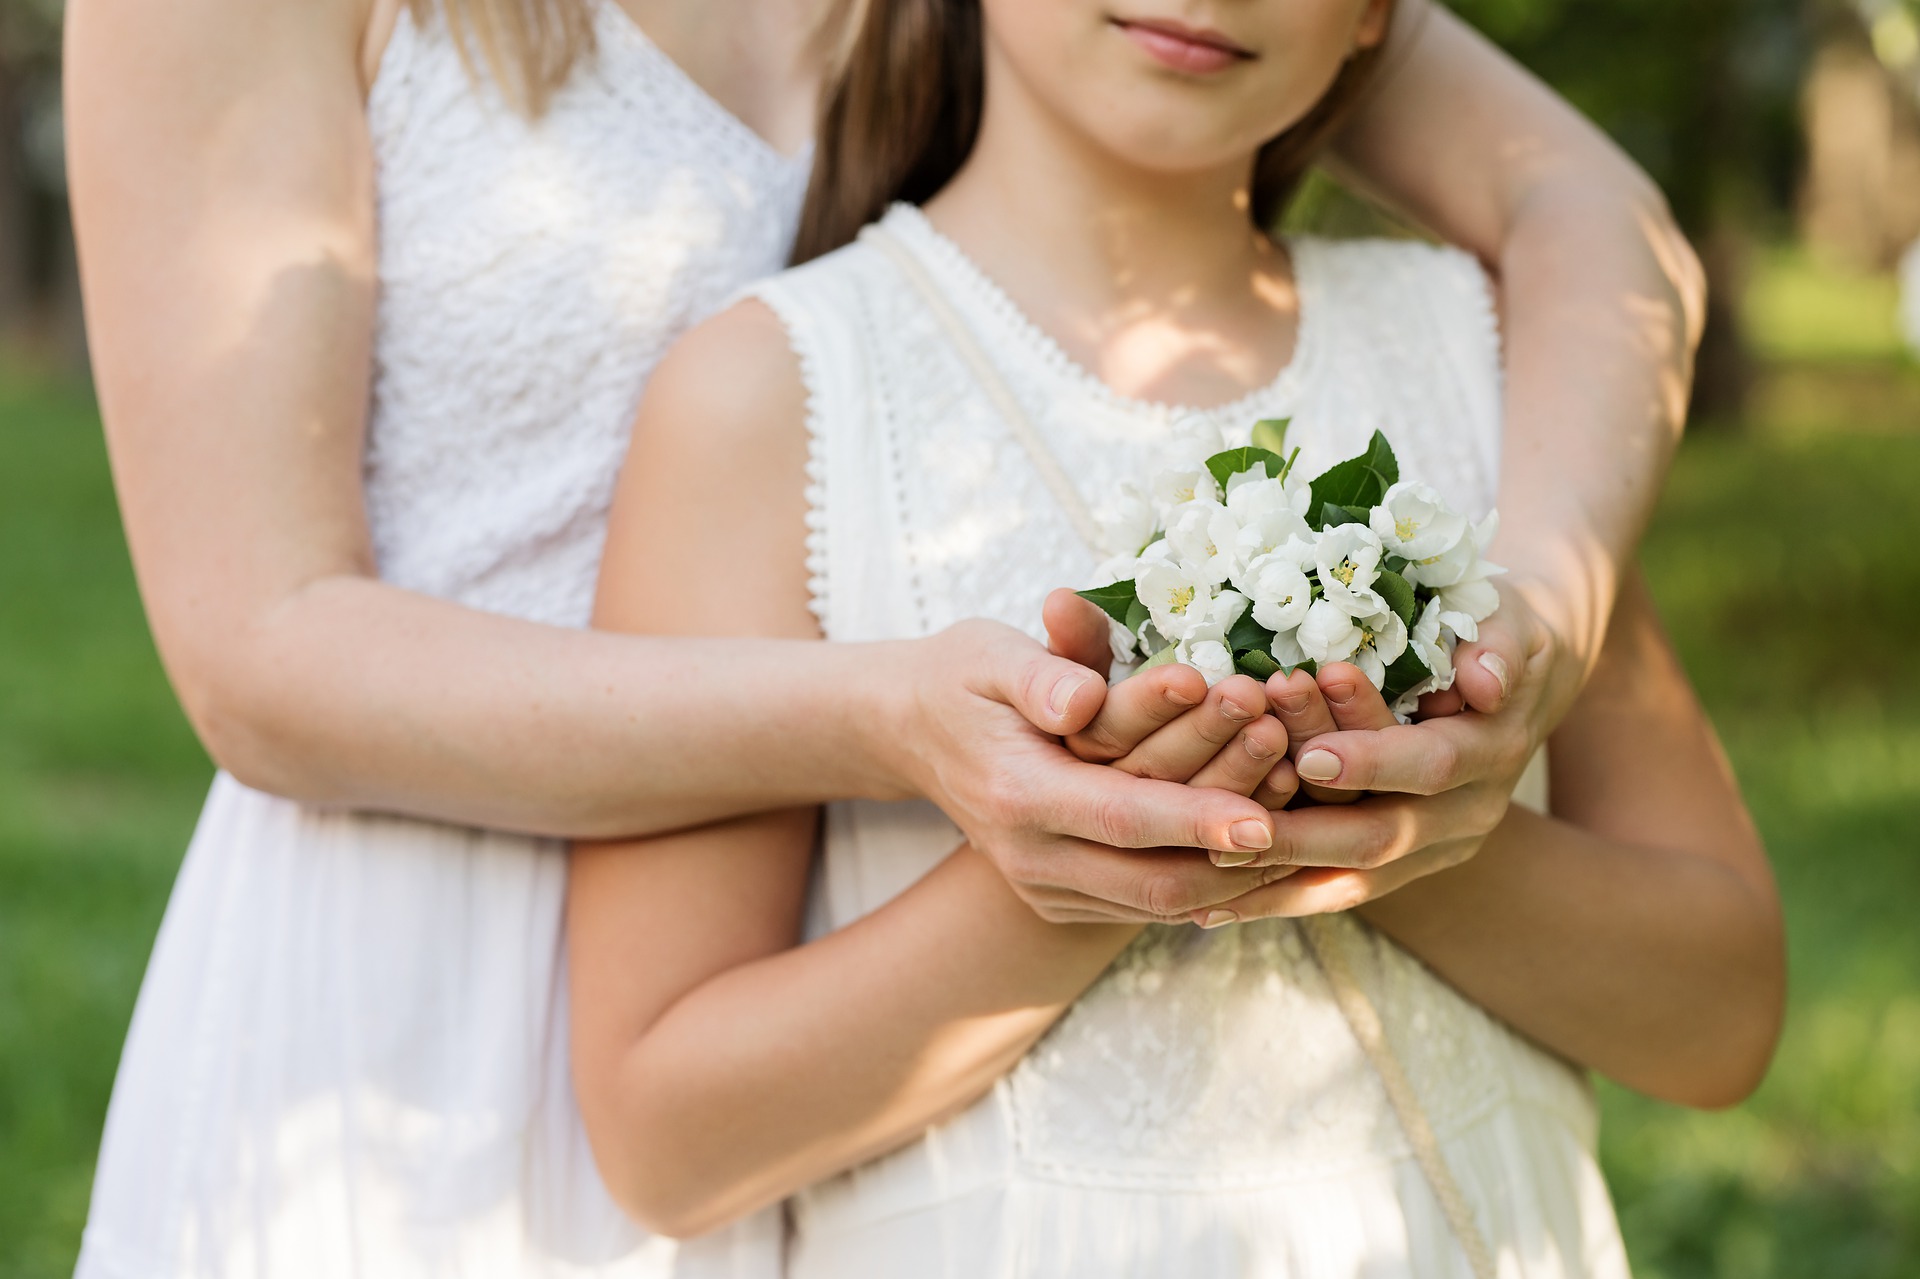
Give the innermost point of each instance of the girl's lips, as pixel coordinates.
(1183, 48)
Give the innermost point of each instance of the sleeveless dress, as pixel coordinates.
(349, 1052)
(1204, 1110)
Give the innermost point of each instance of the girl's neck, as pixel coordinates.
(1159, 285)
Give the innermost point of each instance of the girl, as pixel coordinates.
(1274, 1098)
(372, 288)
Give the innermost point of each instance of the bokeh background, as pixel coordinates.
(1786, 557)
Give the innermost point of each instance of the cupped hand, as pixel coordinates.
(1361, 847)
(978, 732)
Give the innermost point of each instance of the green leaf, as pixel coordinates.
(1138, 615)
(1398, 593)
(1229, 464)
(1357, 483)
(1165, 657)
(1332, 515)
(1247, 633)
(1396, 564)
(1270, 433)
(1257, 663)
(1404, 674)
(1117, 600)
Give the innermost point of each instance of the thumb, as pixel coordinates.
(1077, 629)
(1487, 670)
(1057, 695)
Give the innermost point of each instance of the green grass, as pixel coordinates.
(1783, 558)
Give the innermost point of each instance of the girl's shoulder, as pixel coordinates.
(1421, 301)
(1376, 275)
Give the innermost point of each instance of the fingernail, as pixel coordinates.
(1233, 710)
(1496, 667)
(1233, 858)
(1339, 694)
(1247, 833)
(1064, 689)
(1219, 919)
(1318, 766)
(1179, 697)
(1258, 749)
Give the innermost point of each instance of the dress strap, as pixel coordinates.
(1363, 1019)
(1055, 476)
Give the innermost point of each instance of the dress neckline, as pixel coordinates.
(622, 31)
(958, 268)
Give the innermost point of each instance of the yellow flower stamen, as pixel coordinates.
(1344, 572)
(1181, 598)
(1404, 529)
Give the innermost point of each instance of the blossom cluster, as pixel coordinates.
(1244, 566)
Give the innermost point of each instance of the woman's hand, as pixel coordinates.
(979, 734)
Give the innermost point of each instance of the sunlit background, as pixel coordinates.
(1786, 557)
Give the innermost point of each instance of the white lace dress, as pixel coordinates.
(349, 1054)
(1204, 1110)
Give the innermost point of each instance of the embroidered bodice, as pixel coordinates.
(531, 274)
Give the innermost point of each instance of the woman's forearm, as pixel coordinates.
(355, 693)
(781, 1071)
(1601, 298)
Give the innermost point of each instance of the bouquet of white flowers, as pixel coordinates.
(1244, 567)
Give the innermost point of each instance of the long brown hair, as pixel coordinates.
(903, 108)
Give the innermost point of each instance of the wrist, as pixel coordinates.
(883, 720)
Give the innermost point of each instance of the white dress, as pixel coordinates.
(349, 1053)
(1204, 1110)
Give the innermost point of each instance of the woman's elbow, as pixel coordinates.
(657, 1184)
(243, 725)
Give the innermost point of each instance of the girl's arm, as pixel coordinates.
(1638, 930)
(719, 1070)
(223, 194)
(1601, 303)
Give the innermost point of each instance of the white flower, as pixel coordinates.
(1347, 560)
(1270, 515)
(1204, 536)
(1328, 633)
(1286, 649)
(1434, 647)
(1383, 638)
(1464, 605)
(1128, 521)
(1178, 597)
(1457, 562)
(1280, 592)
(1180, 484)
(1414, 522)
(1458, 578)
(1209, 657)
(1122, 643)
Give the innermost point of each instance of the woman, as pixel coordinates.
(942, 405)
(368, 338)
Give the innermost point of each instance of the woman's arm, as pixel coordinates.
(719, 1070)
(223, 195)
(1638, 930)
(1601, 303)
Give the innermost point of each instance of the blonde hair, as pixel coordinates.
(527, 47)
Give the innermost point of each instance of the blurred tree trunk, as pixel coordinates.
(1860, 199)
(17, 309)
